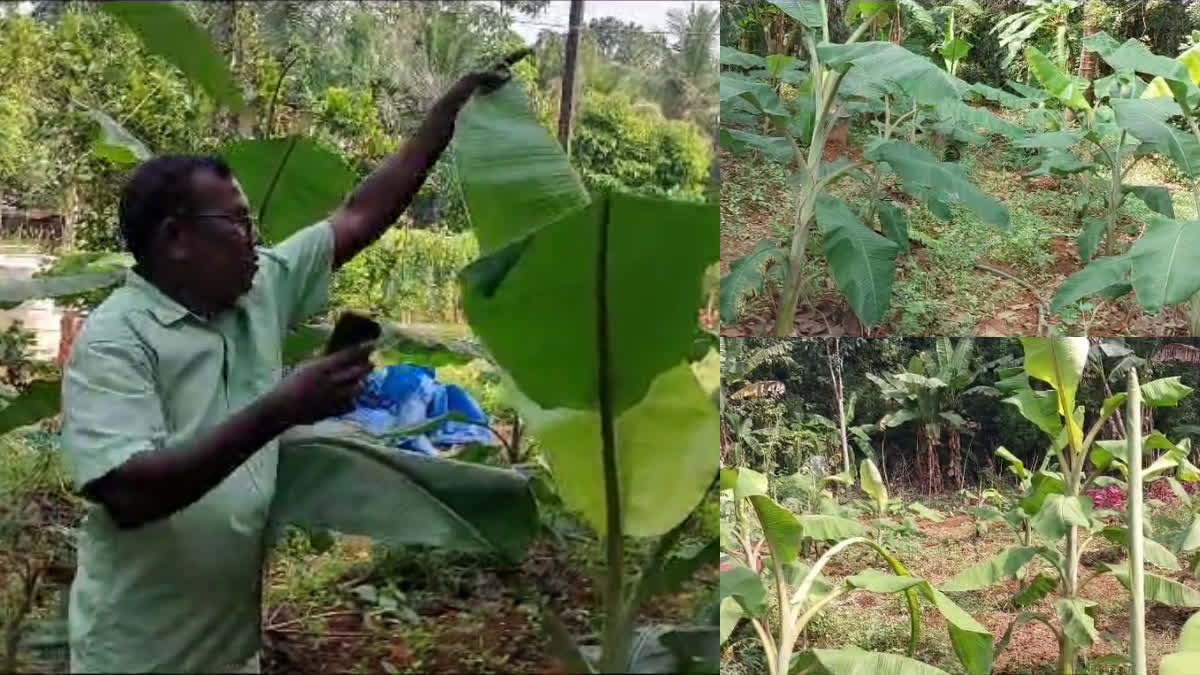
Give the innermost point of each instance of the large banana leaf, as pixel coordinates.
(1165, 392)
(555, 273)
(1147, 119)
(1058, 362)
(514, 175)
(861, 261)
(330, 478)
(781, 527)
(731, 56)
(743, 482)
(1156, 197)
(746, 588)
(166, 29)
(775, 148)
(672, 432)
(1160, 589)
(746, 276)
(937, 183)
(886, 65)
(565, 309)
(1162, 270)
(1133, 55)
(16, 291)
(806, 12)
(1077, 625)
(1065, 88)
(1108, 275)
(972, 641)
(760, 94)
(854, 661)
(291, 182)
(1003, 564)
(1058, 513)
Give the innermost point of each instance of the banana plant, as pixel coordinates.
(1018, 28)
(622, 402)
(1113, 151)
(1010, 512)
(799, 593)
(1059, 511)
(1156, 268)
(941, 20)
(839, 77)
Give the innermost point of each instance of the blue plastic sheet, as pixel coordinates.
(405, 395)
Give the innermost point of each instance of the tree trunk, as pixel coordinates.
(954, 470)
(834, 358)
(1089, 61)
(928, 467)
(568, 83)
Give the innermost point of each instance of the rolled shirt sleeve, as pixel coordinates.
(112, 410)
(301, 282)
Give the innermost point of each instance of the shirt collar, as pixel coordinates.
(162, 306)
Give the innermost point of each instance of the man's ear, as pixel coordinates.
(171, 241)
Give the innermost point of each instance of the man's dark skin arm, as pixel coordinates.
(378, 202)
(153, 485)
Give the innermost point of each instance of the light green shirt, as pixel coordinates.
(182, 593)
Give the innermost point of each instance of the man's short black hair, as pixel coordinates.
(159, 188)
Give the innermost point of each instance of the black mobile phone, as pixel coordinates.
(352, 329)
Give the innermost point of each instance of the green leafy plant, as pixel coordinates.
(1144, 113)
(942, 19)
(800, 593)
(841, 78)
(1016, 29)
(1057, 508)
(928, 394)
(619, 403)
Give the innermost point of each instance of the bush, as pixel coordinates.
(619, 144)
(408, 275)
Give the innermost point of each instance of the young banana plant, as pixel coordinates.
(1059, 511)
(799, 593)
(1149, 115)
(835, 80)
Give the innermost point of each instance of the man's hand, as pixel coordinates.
(380, 199)
(323, 388)
(488, 81)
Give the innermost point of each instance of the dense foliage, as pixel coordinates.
(803, 422)
(356, 77)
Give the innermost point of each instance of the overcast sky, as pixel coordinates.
(651, 15)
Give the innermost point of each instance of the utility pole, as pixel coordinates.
(568, 81)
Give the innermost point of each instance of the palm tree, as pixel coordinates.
(688, 91)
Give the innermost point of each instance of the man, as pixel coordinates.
(173, 401)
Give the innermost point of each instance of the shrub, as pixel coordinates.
(621, 144)
(408, 275)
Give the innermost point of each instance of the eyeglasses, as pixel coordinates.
(246, 222)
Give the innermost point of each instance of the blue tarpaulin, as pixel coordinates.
(401, 396)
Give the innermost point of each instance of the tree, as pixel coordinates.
(628, 43)
(1017, 29)
(689, 89)
(928, 393)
